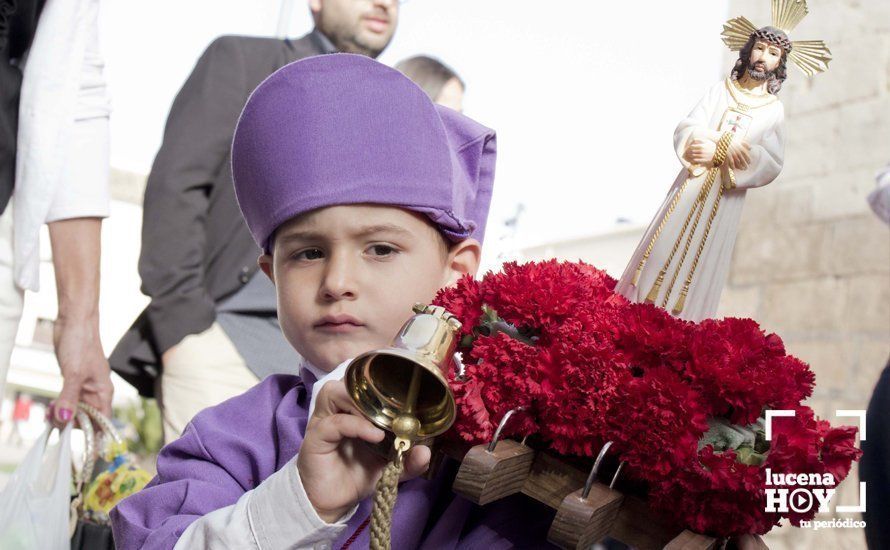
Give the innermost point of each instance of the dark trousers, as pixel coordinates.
(874, 468)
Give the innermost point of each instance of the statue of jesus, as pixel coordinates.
(732, 141)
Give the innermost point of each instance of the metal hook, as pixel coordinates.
(615, 477)
(497, 432)
(595, 469)
(461, 369)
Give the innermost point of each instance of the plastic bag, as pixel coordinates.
(34, 505)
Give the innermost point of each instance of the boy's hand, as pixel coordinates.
(337, 470)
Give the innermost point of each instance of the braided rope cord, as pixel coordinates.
(384, 501)
(681, 301)
(653, 293)
(678, 307)
(697, 209)
(719, 158)
(658, 230)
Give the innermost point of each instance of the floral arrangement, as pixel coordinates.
(681, 402)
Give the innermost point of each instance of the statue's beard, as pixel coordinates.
(758, 72)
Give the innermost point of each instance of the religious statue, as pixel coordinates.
(732, 141)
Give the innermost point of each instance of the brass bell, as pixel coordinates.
(403, 389)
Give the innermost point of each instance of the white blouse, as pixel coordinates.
(62, 161)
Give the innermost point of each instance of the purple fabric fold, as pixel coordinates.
(230, 449)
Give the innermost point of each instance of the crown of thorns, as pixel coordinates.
(810, 56)
(770, 35)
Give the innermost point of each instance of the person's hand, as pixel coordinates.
(86, 374)
(700, 152)
(337, 466)
(739, 155)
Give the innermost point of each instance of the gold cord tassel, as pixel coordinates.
(657, 233)
(678, 307)
(384, 501)
(653, 292)
(639, 270)
(697, 209)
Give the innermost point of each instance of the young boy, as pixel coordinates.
(365, 198)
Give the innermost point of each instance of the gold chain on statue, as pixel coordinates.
(694, 216)
(385, 500)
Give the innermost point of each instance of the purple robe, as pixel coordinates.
(230, 449)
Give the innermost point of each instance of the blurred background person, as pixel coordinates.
(211, 331)
(54, 148)
(21, 413)
(874, 467)
(440, 82)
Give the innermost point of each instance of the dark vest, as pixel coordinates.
(18, 24)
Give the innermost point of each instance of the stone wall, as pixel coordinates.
(812, 262)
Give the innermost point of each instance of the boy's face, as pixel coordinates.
(348, 276)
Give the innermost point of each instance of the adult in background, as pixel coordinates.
(437, 79)
(54, 113)
(210, 331)
(21, 413)
(874, 467)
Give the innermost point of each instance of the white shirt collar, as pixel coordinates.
(323, 378)
(317, 373)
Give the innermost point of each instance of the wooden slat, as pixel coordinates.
(580, 522)
(687, 540)
(637, 525)
(489, 476)
(550, 480)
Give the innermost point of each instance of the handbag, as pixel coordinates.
(90, 525)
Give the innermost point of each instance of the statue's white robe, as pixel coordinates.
(766, 137)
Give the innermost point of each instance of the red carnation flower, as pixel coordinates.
(743, 371)
(588, 367)
(656, 423)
